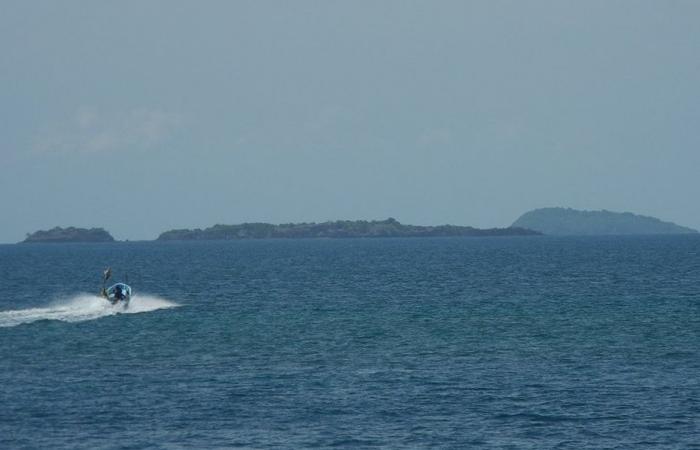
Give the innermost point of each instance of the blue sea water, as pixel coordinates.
(528, 342)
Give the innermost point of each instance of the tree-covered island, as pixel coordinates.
(337, 229)
(70, 234)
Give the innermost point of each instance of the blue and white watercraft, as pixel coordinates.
(119, 293)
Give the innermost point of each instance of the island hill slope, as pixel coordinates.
(572, 222)
(70, 234)
(337, 229)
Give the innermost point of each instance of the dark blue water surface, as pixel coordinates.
(530, 342)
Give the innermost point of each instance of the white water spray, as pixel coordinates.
(83, 307)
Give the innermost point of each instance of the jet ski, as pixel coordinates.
(119, 293)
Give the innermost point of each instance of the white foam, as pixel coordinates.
(83, 307)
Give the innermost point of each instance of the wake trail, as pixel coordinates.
(83, 307)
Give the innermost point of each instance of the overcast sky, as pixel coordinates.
(148, 115)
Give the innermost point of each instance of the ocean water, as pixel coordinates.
(529, 342)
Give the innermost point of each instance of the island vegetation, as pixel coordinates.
(567, 221)
(337, 229)
(70, 234)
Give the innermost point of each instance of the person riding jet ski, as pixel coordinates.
(117, 293)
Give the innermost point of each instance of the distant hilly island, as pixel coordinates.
(572, 222)
(548, 221)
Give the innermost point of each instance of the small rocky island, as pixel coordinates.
(337, 229)
(571, 222)
(70, 234)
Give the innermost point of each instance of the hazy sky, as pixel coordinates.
(148, 115)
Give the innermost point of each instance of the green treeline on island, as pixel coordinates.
(337, 229)
(70, 234)
(549, 221)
